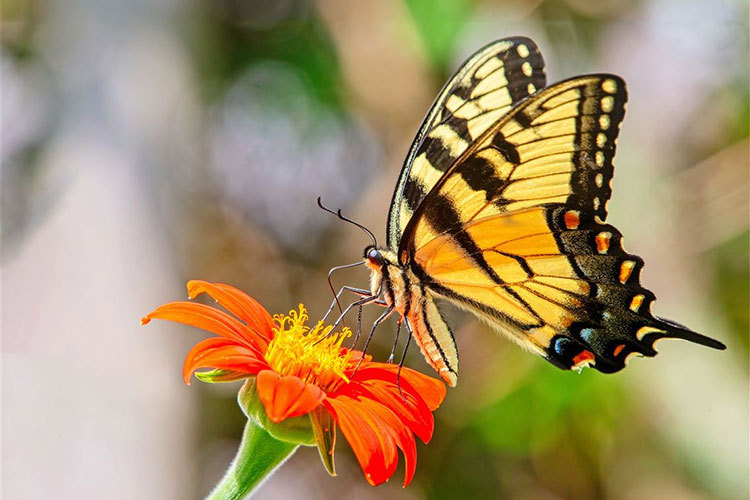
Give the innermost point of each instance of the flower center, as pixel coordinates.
(312, 355)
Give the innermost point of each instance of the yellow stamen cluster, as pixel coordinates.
(312, 355)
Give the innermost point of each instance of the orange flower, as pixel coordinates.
(306, 371)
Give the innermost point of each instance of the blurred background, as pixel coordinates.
(149, 142)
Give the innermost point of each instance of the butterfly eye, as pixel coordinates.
(374, 256)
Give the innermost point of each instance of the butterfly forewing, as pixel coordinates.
(514, 232)
(492, 81)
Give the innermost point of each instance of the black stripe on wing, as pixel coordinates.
(596, 143)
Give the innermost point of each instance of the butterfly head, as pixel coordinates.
(374, 258)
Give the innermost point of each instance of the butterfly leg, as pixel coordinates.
(359, 304)
(395, 342)
(403, 358)
(359, 326)
(365, 300)
(358, 291)
(375, 325)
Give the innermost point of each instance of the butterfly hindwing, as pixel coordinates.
(615, 319)
(566, 291)
(514, 232)
(486, 86)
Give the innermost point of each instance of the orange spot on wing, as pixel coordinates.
(635, 304)
(571, 219)
(626, 270)
(602, 242)
(618, 350)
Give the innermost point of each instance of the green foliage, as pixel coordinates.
(466, 471)
(223, 47)
(732, 285)
(438, 23)
(552, 418)
(536, 413)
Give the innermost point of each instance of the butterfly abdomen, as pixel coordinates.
(432, 333)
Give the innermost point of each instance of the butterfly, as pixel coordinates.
(500, 209)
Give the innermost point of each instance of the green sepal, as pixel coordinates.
(296, 430)
(218, 375)
(324, 428)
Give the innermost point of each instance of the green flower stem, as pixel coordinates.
(258, 457)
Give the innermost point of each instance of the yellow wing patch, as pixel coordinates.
(520, 249)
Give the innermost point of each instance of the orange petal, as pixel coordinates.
(238, 303)
(372, 444)
(217, 352)
(207, 318)
(408, 407)
(373, 432)
(402, 436)
(431, 390)
(287, 397)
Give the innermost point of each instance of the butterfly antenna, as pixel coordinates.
(338, 214)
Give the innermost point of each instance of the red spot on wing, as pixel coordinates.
(582, 357)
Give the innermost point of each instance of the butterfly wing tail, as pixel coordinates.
(679, 331)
